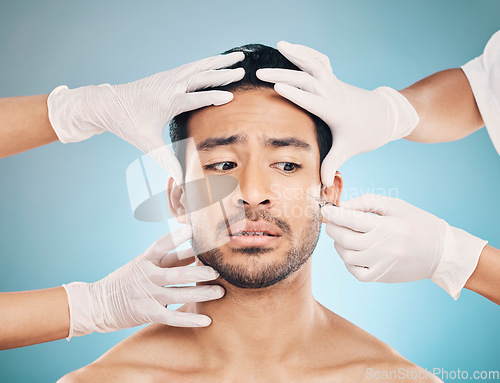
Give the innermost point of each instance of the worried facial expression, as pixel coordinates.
(268, 228)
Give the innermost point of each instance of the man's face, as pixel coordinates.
(270, 229)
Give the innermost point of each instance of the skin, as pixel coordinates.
(24, 124)
(446, 106)
(447, 110)
(31, 317)
(278, 333)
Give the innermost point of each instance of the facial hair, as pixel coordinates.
(264, 275)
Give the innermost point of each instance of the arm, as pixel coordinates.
(446, 106)
(383, 239)
(24, 124)
(32, 317)
(485, 280)
(136, 112)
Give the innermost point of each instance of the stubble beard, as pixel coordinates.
(256, 274)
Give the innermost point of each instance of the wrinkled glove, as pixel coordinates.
(401, 243)
(138, 111)
(360, 120)
(139, 292)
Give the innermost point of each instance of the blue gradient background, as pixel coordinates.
(65, 209)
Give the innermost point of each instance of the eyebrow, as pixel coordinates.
(287, 141)
(214, 142)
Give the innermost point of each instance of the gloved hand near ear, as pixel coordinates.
(360, 120)
(139, 292)
(138, 111)
(400, 243)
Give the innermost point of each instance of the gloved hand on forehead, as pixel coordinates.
(139, 292)
(382, 239)
(360, 120)
(138, 111)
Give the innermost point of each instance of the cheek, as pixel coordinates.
(294, 202)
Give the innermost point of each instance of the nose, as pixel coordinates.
(255, 189)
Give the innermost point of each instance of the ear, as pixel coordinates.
(333, 193)
(176, 200)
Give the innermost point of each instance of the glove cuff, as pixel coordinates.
(70, 113)
(404, 114)
(459, 260)
(84, 313)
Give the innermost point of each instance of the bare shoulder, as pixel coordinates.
(139, 358)
(107, 372)
(359, 356)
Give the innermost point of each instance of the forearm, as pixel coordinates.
(485, 280)
(32, 317)
(24, 124)
(446, 106)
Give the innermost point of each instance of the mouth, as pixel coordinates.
(254, 233)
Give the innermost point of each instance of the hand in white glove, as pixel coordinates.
(360, 120)
(138, 111)
(135, 293)
(401, 243)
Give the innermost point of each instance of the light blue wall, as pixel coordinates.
(65, 211)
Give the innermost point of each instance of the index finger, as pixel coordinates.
(352, 219)
(217, 62)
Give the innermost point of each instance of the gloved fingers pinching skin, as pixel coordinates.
(355, 220)
(350, 239)
(384, 239)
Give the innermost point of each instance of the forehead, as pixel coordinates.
(255, 113)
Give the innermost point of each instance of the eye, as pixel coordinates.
(289, 167)
(221, 167)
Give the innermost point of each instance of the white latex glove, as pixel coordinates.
(138, 111)
(401, 243)
(135, 293)
(360, 120)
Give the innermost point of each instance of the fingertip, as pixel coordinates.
(280, 87)
(329, 211)
(236, 56)
(283, 44)
(204, 321)
(222, 98)
(259, 73)
(218, 291)
(240, 73)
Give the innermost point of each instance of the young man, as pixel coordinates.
(268, 327)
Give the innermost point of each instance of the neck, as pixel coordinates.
(262, 324)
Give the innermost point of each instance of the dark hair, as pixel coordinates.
(257, 56)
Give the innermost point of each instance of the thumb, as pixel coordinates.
(160, 152)
(331, 163)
